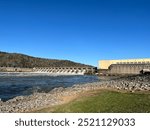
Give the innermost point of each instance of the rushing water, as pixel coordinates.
(17, 84)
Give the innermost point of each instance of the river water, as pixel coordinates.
(17, 84)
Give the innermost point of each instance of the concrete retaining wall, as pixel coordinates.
(124, 69)
(15, 69)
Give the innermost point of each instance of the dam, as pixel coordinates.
(52, 70)
(65, 70)
(127, 66)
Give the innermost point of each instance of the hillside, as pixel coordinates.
(25, 61)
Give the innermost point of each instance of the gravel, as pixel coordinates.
(41, 100)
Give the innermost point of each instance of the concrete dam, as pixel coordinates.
(52, 70)
(130, 66)
(65, 70)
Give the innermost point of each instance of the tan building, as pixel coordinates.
(104, 64)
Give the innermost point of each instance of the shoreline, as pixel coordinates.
(36, 101)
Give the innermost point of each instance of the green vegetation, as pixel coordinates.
(105, 101)
(24, 61)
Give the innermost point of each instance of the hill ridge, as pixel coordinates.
(26, 61)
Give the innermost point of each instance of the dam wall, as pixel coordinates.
(52, 70)
(65, 70)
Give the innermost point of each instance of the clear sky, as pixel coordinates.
(80, 30)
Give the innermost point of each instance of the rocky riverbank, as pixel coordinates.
(56, 96)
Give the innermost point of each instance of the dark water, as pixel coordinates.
(12, 85)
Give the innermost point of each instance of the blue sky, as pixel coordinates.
(80, 30)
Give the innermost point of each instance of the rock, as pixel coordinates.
(56, 90)
(41, 100)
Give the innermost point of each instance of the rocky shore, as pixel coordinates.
(55, 97)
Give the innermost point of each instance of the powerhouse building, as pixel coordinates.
(127, 66)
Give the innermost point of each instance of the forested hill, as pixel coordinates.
(25, 61)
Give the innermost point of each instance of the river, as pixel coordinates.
(18, 84)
